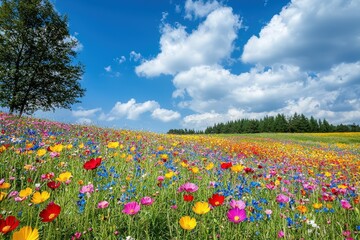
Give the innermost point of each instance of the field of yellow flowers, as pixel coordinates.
(62, 181)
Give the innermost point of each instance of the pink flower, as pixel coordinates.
(160, 178)
(237, 204)
(87, 189)
(103, 204)
(146, 201)
(281, 198)
(236, 215)
(268, 212)
(281, 234)
(131, 208)
(188, 187)
(345, 204)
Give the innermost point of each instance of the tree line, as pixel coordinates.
(297, 123)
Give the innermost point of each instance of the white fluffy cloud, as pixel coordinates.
(107, 69)
(85, 113)
(199, 8)
(165, 115)
(131, 110)
(314, 35)
(179, 50)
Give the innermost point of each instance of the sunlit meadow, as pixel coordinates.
(60, 181)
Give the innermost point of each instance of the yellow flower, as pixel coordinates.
(41, 152)
(160, 148)
(5, 185)
(184, 164)
(164, 157)
(328, 174)
(63, 177)
(81, 145)
(2, 196)
(28, 166)
(26, 233)
(201, 207)
(25, 192)
(342, 186)
(69, 146)
(40, 197)
(169, 175)
(57, 148)
(113, 144)
(195, 169)
(237, 168)
(187, 223)
(209, 166)
(317, 205)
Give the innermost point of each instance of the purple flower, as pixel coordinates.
(131, 208)
(237, 204)
(281, 198)
(236, 215)
(188, 187)
(146, 201)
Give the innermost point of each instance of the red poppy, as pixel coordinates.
(8, 224)
(226, 165)
(51, 211)
(92, 163)
(53, 185)
(188, 197)
(248, 170)
(216, 200)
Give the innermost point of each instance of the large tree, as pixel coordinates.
(37, 58)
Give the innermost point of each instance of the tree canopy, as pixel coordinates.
(37, 58)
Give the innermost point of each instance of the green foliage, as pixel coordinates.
(37, 69)
(298, 123)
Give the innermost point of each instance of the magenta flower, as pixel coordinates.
(103, 204)
(146, 201)
(237, 204)
(131, 208)
(188, 187)
(281, 234)
(236, 215)
(345, 204)
(160, 178)
(281, 198)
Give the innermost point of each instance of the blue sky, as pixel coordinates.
(156, 65)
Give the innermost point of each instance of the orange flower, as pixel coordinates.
(302, 209)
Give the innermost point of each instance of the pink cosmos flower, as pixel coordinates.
(87, 189)
(188, 187)
(236, 215)
(237, 204)
(146, 201)
(281, 234)
(281, 198)
(103, 204)
(345, 204)
(131, 208)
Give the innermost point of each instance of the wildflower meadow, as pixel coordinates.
(63, 181)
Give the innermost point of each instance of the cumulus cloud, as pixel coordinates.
(120, 60)
(165, 115)
(131, 110)
(86, 121)
(314, 35)
(196, 9)
(180, 50)
(85, 113)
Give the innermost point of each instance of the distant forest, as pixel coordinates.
(298, 123)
